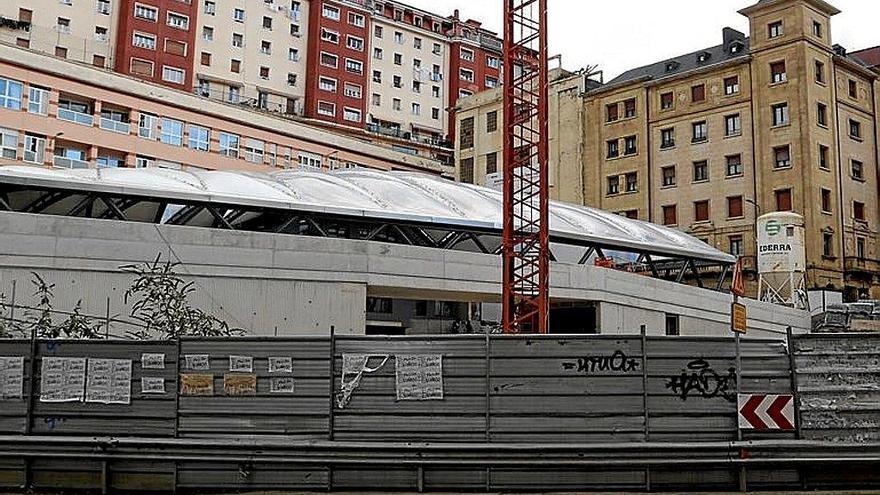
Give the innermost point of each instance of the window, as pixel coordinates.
(177, 21)
(467, 55)
(266, 47)
(493, 62)
(731, 85)
(613, 185)
(8, 143)
(267, 23)
(293, 55)
(466, 75)
(783, 200)
(416, 109)
(398, 37)
(466, 173)
(10, 94)
(700, 132)
(780, 114)
(735, 207)
(103, 7)
(237, 40)
(356, 19)
(667, 138)
(254, 150)
(327, 84)
(668, 174)
(147, 125)
(629, 108)
(417, 43)
(777, 72)
(238, 15)
(206, 59)
(467, 133)
(823, 157)
(142, 40)
(329, 60)
(822, 114)
(326, 109)
(377, 76)
(611, 112)
(491, 82)
(210, 7)
(291, 81)
(613, 148)
(826, 200)
(732, 125)
(828, 245)
(396, 104)
(62, 25)
(38, 100)
(491, 121)
(859, 211)
(701, 211)
(208, 33)
(701, 171)
(735, 245)
(172, 132)
(235, 66)
(354, 43)
(354, 66)
(632, 182)
(667, 100)
(397, 81)
(855, 129)
(175, 47)
(199, 138)
(173, 75)
(853, 89)
(330, 12)
(330, 36)
(377, 31)
(492, 163)
(782, 157)
(861, 252)
(670, 215)
(146, 13)
(774, 30)
(34, 148)
(820, 72)
(398, 59)
(629, 145)
(857, 170)
(734, 165)
(61, 52)
(353, 91)
(817, 29)
(698, 93)
(229, 144)
(376, 100)
(436, 50)
(435, 113)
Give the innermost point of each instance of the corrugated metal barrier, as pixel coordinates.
(472, 413)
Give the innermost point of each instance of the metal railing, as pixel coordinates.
(66, 162)
(115, 126)
(76, 117)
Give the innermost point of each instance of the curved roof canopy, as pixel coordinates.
(392, 196)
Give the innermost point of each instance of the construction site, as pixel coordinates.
(370, 321)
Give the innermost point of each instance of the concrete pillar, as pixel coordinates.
(97, 113)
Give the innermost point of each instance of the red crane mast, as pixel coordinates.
(526, 244)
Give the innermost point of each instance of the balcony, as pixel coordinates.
(65, 162)
(8, 23)
(76, 117)
(115, 126)
(394, 132)
(861, 266)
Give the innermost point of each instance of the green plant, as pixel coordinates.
(79, 326)
(41, 324)
(161, 302)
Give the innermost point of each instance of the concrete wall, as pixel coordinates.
(252, 272)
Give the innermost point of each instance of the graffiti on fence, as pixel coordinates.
(617, 362)
(699, 379)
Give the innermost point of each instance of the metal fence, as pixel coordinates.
(516, 413)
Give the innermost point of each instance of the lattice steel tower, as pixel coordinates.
(526, 196)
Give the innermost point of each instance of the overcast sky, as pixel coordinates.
(618, 35)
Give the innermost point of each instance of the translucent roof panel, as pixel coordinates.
(407, 196)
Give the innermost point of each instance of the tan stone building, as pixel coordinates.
(778, 120)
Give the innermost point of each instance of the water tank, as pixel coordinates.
(782, 260)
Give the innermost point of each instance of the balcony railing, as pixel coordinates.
(65, 162)
(865, 266)
(408, 136)
(115, 126)
(77, 117)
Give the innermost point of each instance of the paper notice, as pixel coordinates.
(11, 377)
(62, 379)
(153, 361)
(280, 365)
(237, 384)
(419, 377)
(109, 381)
(152, 385)
(197, 362)
(241, 364)
(196, 384)
(281, 385)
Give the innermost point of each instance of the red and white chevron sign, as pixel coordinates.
(766, 412)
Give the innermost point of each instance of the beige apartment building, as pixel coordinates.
(779, 120)
(65, 114)
(81, 30)
(407, 94)
(253, 52)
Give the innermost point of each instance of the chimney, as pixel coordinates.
(455, 15)
(839, 50)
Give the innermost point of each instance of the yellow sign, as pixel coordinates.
(738, 318)
(239, 384)
(196, 384)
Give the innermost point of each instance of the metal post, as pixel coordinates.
(176, 408)
(107, 320)
(488, 406)
(743, 482)
(644, 332)
(12, 308)
(330, 419)
(29, 414)
(792, 371)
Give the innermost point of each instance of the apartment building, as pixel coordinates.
(780, 120)
(64, 114)
(80, 30)
(253, 53)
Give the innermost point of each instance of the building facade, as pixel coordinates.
(57, 113)
(780, 120)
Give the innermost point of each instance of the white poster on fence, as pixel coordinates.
(62, 379)
(109, 381)
(419, 377)
(11, 377)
